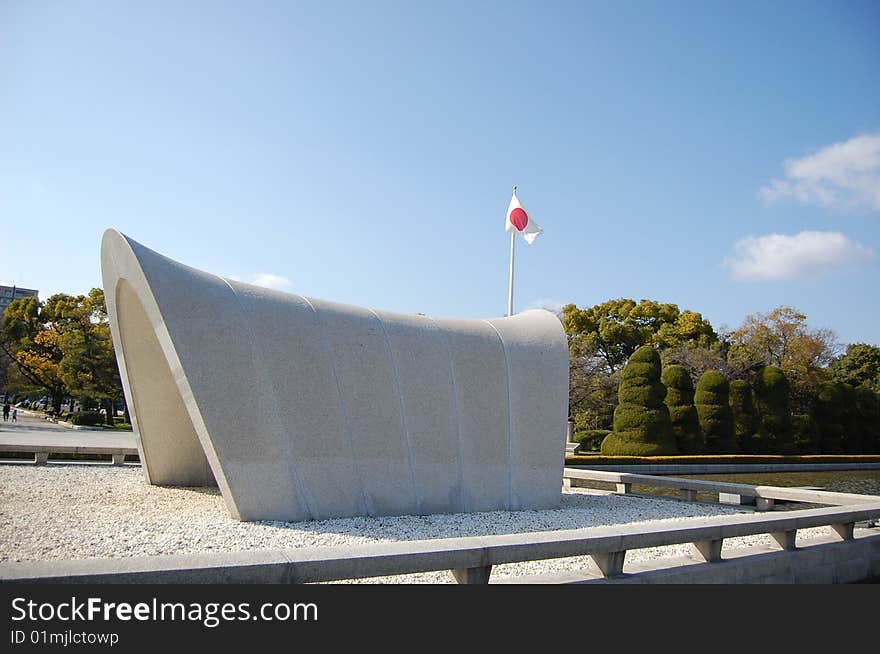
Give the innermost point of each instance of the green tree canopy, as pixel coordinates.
(615, 329)
(859, 367)
(88, 365)
(64, 346)
(34, 346)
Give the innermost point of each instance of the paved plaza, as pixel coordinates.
(33, 429)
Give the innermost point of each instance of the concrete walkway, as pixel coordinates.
(35, 431)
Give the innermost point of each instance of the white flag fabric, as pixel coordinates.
(519, 221)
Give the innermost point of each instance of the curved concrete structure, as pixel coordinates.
(307, 409)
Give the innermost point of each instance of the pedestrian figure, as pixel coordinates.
(15, 415)
(6, 408)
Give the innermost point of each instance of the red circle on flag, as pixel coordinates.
(519, 218)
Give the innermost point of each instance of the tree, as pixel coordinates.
(746, 422)
(860, 366)
(592, 394)
(603, 337)
(34, 347)
(63, 346)
(615, 329)
(772, 399)
(697, 359)
(5, 363)
(682, 412)
(641, 420)
(88, 365)
(712, 400)
(782, 338)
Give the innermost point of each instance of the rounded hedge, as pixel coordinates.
(641, 420)
(712, 399)
(828, 411)
(648, 394)
(868, 407)
(852, 424)
(746, 422)
(771, 398)
(682, 412)
(806, 433)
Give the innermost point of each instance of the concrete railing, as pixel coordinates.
(728, 492)
(470, 559)
(41, 452)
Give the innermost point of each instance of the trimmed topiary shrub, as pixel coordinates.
(746, 422)
(771, 398)
(712, 400)
(641, 421)
(868, 406)
(828, 410)
(806, 433)
(682, 412)
(87, 418)
(852, 424)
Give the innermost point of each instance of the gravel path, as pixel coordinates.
(97, 511)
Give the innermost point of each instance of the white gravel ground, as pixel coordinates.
(98, 511)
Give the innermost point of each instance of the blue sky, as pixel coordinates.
(722, 156)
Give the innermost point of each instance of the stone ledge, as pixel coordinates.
(820, 560)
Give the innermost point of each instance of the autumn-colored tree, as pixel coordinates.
(782, 338)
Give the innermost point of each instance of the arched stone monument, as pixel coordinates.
(306, 409)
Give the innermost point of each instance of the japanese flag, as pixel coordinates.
(519, 221)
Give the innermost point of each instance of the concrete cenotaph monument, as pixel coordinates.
(300, 408)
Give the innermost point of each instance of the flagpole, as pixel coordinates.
(510, 288)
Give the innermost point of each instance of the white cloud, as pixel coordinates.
(841, 176)
(269, 280)
(550, 304)
(266, 280)
(779, 256)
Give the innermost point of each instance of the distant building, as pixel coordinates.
(10, 293)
